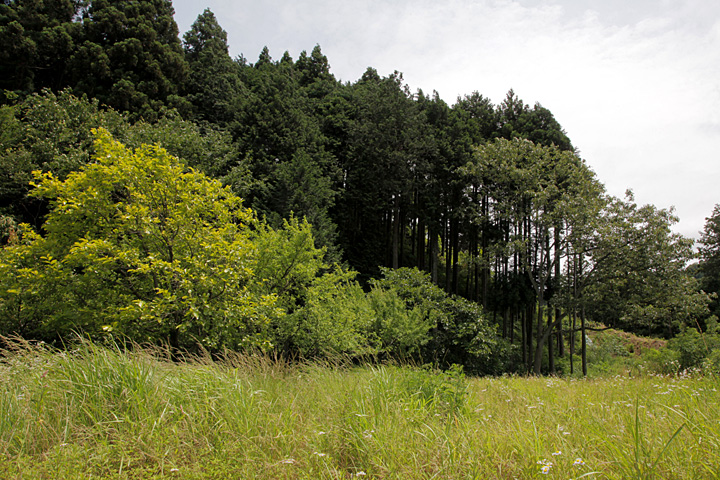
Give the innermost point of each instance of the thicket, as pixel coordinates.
(138, 245)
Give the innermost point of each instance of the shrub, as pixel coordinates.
(460, 333)
(693, 347)
(663, 361)
(335, 319)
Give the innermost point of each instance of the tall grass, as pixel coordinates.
(95, 412)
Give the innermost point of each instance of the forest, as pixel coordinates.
(155, 189)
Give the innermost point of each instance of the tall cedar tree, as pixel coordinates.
(214, 86)
(129, 57)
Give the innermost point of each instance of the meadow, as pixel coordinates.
(98, 412)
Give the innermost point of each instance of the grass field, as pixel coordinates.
(94, 412)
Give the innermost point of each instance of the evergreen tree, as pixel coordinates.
(214, 86)
(278, 130)
(315, 77)
(518, 120)
(130, 57)
(377, 171)
(710, 258)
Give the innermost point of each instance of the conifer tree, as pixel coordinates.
(214, 85)
(130, 57)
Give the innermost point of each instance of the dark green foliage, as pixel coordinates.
(538, 124)
(460, 331)
(37, 38)
(382, 126)
(213, 84)
(50, 133)
(277, 129)
(709, 267)
(315, 78)
(129, 57)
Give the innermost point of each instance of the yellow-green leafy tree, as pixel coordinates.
(138, 244)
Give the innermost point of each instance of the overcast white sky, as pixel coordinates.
(635, 83)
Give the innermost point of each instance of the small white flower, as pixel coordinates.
(555, 454)
(320, 454)
(360, 474)
(578, 461)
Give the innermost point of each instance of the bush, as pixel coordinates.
(693, 347)
(460, 333)
(711, 364)
(663, 361)
(396, 329)
(335, 319)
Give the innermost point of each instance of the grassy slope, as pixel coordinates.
(97, 413)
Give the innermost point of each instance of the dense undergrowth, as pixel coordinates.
(98, 412)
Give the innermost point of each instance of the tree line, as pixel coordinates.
(489, 203)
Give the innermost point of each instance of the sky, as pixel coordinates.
(634, 83)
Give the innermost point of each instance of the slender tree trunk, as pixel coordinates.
(530, 323)
(433, 247)
(420, 248)
(551, 340)
(448, 256)
(583, 333)
(395, 231)
(485, 263)
(558, 313)
(413, 243)
(584, 341)
(506, 322)
(401, 228)
(455, 256)
(523, 336)
(572, 342)
(540, 340)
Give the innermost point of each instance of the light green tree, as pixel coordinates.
(636, 271)
(137, 243)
